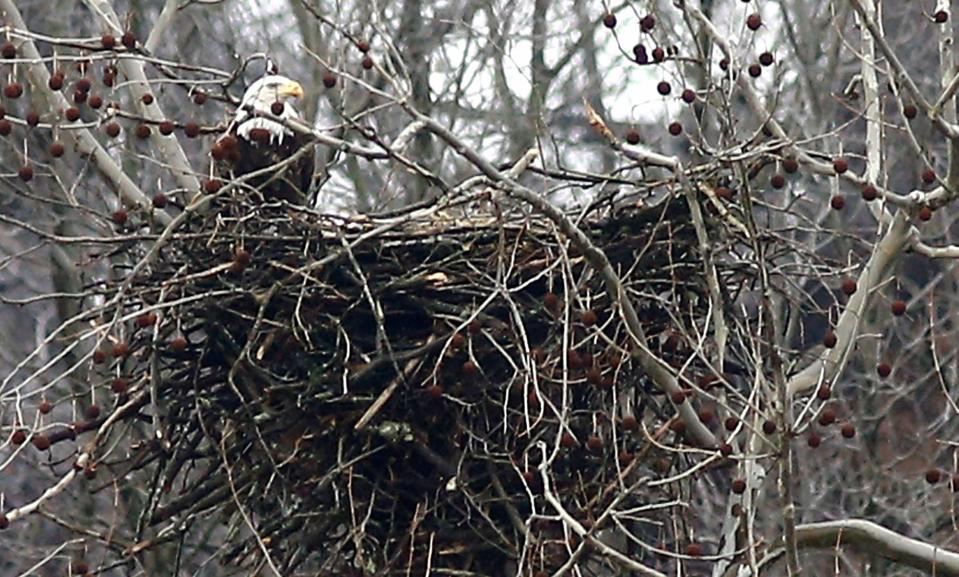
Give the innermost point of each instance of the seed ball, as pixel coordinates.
(218, 151)
(367, 62)
(941, 16)
(632, 136)
(925, 214)
(884, 369)
(630, 423)
(329, 79)
(19, 437)
(166, 128)
(706, 415)
(647, 22)
(469, 368)
(147, 99)
(829, 339)
(242, 257)
(790, 165)
(824, 392)
(56, 81)
(363, 46)
(551, 302)
(848, 430)
(120, 216)
(41, 442)
(689, 96)
(694, 550)
(568, 440)
(32, 118)
(92, 412)
(929, 176)
(99, 357)
(594, 443)
(13, 90)
(724, 64)
(663, 88)
(678, 397)
(120, 350)
(755, 70)
(146, 320)
(933, 476)
(112, 129)
(609, 20)
(8, 50)
(777, 181)
(724, 192)
(128, 40)
(910, 111)
(435, 391)
(80, 567)
(179, 344)
(108, 41)
(639, 53)
(143, 131)
(212, 185)
(766, 58)
(754, 21)
(191, 129)
(898, 307)
(769, 427)
(119, 385)
(277, 108)
(589, 318)
(83, 85)
(199, 98)
(869, 193)
(849, 287)
(739, 486)
(678, 426)
(675, 128)
(814, 440)
(160, 200)
(96, 101)
(79, 97)
(25, 173)
(840, 165)
(827, 417)
(5, 128)
(731, 423)
(726, 449)
(45, 407)
(659, 54)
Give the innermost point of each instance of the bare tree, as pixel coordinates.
(583, 288)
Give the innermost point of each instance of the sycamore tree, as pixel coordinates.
(582, 287)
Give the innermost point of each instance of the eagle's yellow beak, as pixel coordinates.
(292, 89)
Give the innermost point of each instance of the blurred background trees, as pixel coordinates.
(825, 166)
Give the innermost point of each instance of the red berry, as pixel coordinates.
(925, 214)
(609, 20)
(869, 193)
(726, 449)
(706, 415)
(910, 111)
(814, 440)
(898, 307)
(128, 40)
(790, 165)
(45, 407)
(120, 216)
(32, 118)
(769, 427)
(143, 131)
(276, 108)
(19, 437)
(639, 53)
(659, 54)
(72, 114)
(212, 186)
(940, 16)
(179, 343)
(147, 99)
(95, 102)
(647, 22)
(13, 90)
(689, 96)
(242, 258)
(92, 412)
(755, 70)
(79, 97)
(884, 369)
(108, 41)
(840, 165)
(933, 476)
(675, 128)
(824, 392)
(435, 391)
(112, 129)
(827, 417)
(929, 176)
(56, 81)
(83, 85)
(160, 200)
(56, 149)
(199, 98)
(724, 192)
(849, 287)
(167, 128)
(363, 46)
(25, 173)
(119, 385)
(630, 423)
(754, 21)
(41, 442)
(663, 88)
(632, 136)
(146, 319)
(766, 58)
(8, 50)
(191, 129)
(469, 368)
(99, 356)
(731, 423)
(739, 486)
(367, 62)
(120, 350)
(829, 339)
(848, 430)
(329, 79)
(5, 127)
(694, 550)
(594, 444)
(589, 318)
(678, 397)
(568, 440)
(777, 181)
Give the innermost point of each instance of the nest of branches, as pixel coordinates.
(382, 394)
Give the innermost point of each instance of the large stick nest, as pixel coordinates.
(369, 394)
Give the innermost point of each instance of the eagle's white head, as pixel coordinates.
(261, 96)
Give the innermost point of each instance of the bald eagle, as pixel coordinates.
(254, 142)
